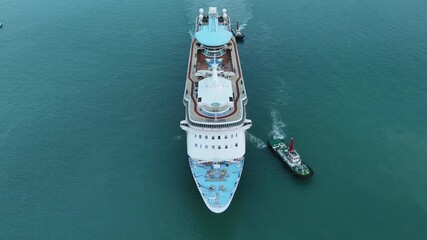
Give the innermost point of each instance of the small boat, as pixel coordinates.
(237, 33)
(291, 157)
(1, 25)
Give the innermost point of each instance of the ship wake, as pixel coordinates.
(277, 131)
(257, 142)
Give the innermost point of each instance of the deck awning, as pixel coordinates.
(213, 34)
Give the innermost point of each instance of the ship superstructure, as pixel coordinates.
(215, 115)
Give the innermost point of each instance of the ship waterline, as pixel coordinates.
(215, 119)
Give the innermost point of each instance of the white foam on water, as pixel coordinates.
(277, 126)
(244, 23)
(191, 34)
(258, 143)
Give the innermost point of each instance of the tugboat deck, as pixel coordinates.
(291, 158)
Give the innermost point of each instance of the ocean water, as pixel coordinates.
(91, 99)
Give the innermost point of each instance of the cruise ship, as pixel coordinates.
(215, 116)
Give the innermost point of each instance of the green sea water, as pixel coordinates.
(91, 99)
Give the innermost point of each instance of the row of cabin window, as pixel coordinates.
(213, 146)
(213, 137)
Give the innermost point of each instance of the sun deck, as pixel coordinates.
(230, 66)
(202, 61)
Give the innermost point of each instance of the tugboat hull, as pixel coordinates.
(301, 170)
(237, 33)
(239, 37)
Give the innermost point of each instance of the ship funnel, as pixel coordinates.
(291, 147)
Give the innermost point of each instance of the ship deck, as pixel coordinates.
(230, 64)
(226, 64)
(217, 182)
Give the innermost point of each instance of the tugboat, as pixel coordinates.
(237, 33)
(290, 157)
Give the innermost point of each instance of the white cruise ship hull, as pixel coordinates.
(215, 117)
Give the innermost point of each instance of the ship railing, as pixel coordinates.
(217, 52)
(214, 114)
(237, 120)
(201, 161)
(215, 124)
(226, 110)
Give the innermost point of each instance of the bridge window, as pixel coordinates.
(236, 144)
(226, 146)
(219, 137)
(213, 137)
(213, 146)
(219, 146)
(206, 136)
(225, 136)
(206, 146)
(195, 145)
